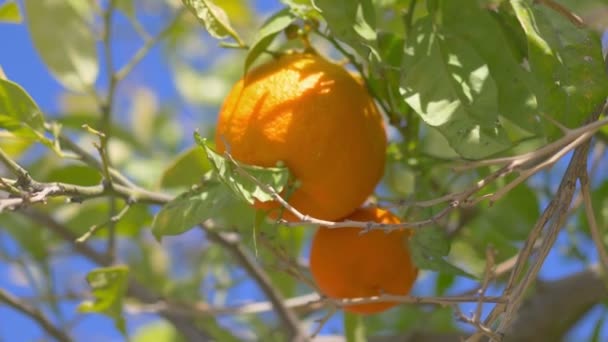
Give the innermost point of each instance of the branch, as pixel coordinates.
(559, 204)
(304, 304)
(23, 177)
(555, 213)
(596, 235)
(149, 43)
(185, 325)
(90, 160)
(34, 314)
(550, 311)
(289, 318)
(563, 11)
(567, 300)
(41, 192)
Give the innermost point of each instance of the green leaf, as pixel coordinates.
(214, 19)
(266, 34)
(13, 144)
(18, 111)
(567, 64)
(75, 174)
(191, 208)
(354, 328)
(351, 21)
(515, 214)
(449, 85)
(513, 32)
(186, 169)
(429, 247)
(64, 41)
(516, 99)
(9, 13)
(109, 286)
(241, 185)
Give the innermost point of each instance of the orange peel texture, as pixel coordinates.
(348, 264)
(319, 120)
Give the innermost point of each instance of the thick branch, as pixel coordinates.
(556, 306)
(548, 313)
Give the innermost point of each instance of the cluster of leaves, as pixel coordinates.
(458, 79)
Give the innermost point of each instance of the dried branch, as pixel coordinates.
(559, 204)
(563, 11)
(596, 235)
(553, 147)
(475, 318)
(550, 223)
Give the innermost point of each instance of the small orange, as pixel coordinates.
(347, 263)
(314, 116)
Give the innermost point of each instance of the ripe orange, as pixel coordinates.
(348, 264)
(315, 117)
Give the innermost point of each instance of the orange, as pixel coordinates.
(349, 263)
(317, 119)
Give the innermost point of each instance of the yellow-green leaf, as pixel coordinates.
(18, 111)
(64, 41)
(213, 18)
(9, 13)
(109, 286)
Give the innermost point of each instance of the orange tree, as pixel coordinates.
(493, 164)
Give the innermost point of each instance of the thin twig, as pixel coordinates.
(290, 266)
(185, 325)
(94, 228)
(90, 160)
(288, 317)
(23, 177)
(442, 301)
(34, 314)
(565, 12)
(322, 321)
(149, 43)
(596, 235)
(573, 134)
(524, 175)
